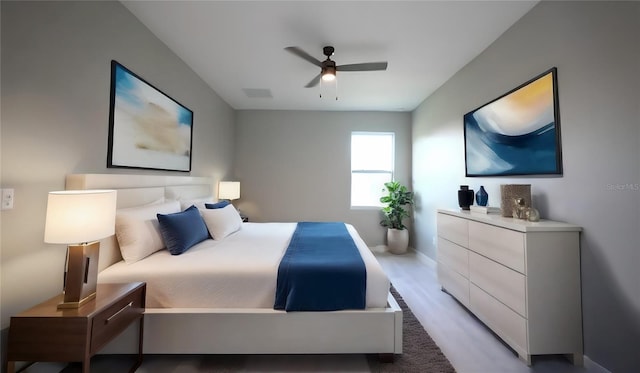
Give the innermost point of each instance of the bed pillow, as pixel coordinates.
(182, 230)
(198, 202)
(217, 205)
(221, 222)
(138, 232)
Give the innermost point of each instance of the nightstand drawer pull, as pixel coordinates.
(129, 305)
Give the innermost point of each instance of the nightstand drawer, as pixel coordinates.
(47, 339)
(117, 317)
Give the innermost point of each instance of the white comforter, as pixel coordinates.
(237, 272)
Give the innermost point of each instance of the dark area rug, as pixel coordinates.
(420, 352)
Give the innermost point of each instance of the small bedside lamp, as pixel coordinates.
(79, 218)
(229, 190)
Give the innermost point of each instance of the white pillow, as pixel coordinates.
(222, 222)
(138, 231)
(197, 202)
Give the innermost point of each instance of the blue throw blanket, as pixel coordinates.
(322, 270)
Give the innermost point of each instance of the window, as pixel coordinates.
(371, 166)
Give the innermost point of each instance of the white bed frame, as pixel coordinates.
(236, 331)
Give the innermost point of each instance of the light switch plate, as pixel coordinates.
(7, 198)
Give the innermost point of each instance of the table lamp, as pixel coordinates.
(229, 190)
(79, 218)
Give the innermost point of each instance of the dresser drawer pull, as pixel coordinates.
(129, 305)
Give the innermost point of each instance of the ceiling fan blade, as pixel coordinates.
(304, 55)
(314, 82)
(367, 66)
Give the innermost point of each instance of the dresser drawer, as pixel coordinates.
(502, 245)
(454, 283)
(453, 229)
(114, 319)
(501, 319)
(453, 256)
(504, 284)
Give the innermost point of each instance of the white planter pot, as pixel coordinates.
(397, 240)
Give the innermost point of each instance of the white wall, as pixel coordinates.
(595, 46)
(55, 120)
(295, 165)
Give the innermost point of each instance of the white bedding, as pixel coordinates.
(237, 272)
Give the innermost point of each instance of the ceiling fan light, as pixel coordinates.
(329, 74)
(328, 77)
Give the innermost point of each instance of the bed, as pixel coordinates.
(236, 316)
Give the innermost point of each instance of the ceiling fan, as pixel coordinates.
(328, 67)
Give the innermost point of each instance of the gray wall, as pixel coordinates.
(55, 109)
(595, 46)
(295, 165)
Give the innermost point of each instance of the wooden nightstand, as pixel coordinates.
(44, 333)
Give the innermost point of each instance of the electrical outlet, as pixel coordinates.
(7, 198)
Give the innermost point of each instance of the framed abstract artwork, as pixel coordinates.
(518, 133)
(147, 128)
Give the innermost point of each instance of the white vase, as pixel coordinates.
(397, 240)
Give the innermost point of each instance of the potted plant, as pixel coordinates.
(396, 198)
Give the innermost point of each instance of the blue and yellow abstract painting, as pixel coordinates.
(516, 134)
(148, 129)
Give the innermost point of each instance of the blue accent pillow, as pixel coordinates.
(217, 205)
(181, 230)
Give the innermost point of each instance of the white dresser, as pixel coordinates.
(521, 278)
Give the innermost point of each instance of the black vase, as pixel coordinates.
(465, 197)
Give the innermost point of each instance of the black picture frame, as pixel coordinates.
(517, 133)
(147, 128)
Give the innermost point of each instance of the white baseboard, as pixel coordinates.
(424, 258)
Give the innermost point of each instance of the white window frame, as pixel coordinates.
(371, 171)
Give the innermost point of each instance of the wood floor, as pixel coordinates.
(466, 342)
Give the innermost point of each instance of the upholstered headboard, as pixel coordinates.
(138, 190)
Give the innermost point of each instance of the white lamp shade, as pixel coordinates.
(229, 190)
(77, 216)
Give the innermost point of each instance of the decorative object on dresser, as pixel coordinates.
(482, 197)
(509, 192)
(79, 218)
(147, 128)
(522, 211)
(397, 197)
(465, 197)
(519, 208)
(532, 214)
(518, 133)
(47, 333)
(484, 209)
(521, 279)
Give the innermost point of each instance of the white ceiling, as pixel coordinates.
(238, 45)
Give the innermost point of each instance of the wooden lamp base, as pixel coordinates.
(81, 276)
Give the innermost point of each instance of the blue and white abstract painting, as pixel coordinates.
(516, 134)
(148, 129)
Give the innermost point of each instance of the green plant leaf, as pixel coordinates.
(396, 198)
